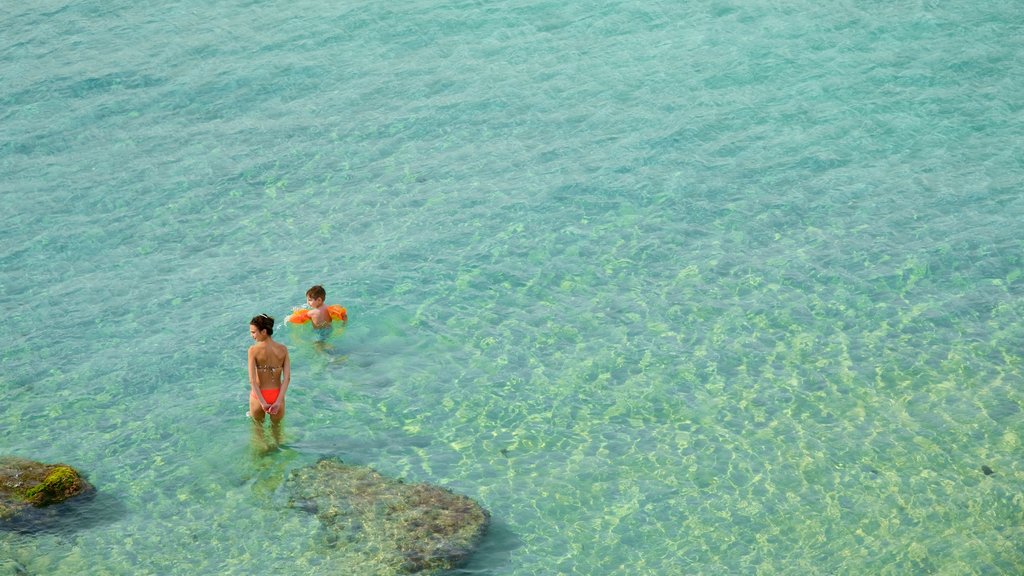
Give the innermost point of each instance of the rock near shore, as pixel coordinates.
(26, 486)
(405, 528)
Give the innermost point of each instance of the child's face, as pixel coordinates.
(314, 302)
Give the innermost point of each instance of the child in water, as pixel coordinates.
(270, 372)
(320, 315)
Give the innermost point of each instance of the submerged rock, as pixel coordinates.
(26, 485)
(402, 528)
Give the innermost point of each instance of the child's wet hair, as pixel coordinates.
(316, 292)
(263, 322)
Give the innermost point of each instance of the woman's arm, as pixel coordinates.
(286, 373)
(286, 378)
(254, 381)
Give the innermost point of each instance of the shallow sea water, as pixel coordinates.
(669, 288)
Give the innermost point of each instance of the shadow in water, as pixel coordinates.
(80, 513)
(494, 553)
(270, 469)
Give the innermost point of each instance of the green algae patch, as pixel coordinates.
(26, 484)
(60, 484)
(399, 528)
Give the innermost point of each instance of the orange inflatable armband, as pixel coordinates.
(337, 313)
(301, 316)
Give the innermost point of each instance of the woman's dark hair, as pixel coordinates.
(263, 322)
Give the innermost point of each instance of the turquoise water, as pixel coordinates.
(669, 288)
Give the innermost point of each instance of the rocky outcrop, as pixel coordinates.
(26, 485)
(404, 528)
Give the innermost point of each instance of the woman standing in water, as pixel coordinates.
(270, 371)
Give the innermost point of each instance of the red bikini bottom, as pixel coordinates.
(269, 394)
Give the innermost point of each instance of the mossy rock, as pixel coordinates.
(26, 484)
(399, 528)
